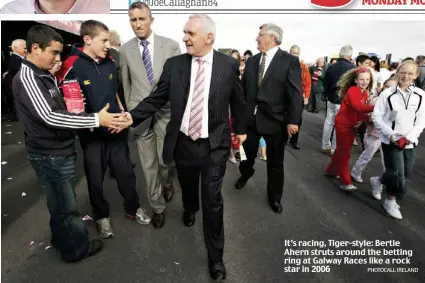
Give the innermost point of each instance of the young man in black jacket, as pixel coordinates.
(50, 134)
(97, 75)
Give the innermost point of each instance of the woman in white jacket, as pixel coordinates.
(399, 115)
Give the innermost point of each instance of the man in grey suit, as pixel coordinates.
(141, 60)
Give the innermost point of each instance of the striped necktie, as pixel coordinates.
(147, 60)
(196, 109)
(261, 70)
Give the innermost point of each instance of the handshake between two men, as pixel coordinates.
(115, 122)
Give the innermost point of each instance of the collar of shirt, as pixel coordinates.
(78, 6)
(18, 55)
(409, 90)
(150, 39)
(207, 58)
(271, 52)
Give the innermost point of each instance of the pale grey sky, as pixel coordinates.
(317, 35)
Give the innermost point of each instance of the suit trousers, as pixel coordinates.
(275, 157)
(341, 157)
(98, 155)
(193, 160)
(156, 173)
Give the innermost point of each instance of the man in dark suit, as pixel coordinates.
(199, 85)
(19, 50)
(273, 94)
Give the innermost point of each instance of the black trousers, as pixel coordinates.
(275, 156)
(98, 155)
(362, 131)
(193, 160)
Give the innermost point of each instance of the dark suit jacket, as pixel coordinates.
(13, 67)
(173, 87)
(280, 97)
(14, 64)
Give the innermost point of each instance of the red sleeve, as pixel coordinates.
(306, 78)
(66, 68)
(354, 97)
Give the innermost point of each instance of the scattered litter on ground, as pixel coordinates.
(5, 214)
(8, 133)
(33, 245)
(161, 269)
(46, 248)
(4, 162)
(176, 263)
(24, 194)
(87, 218)
(8, 125)
(19, 142)
(10, 178)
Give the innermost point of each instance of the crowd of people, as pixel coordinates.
(193, 113)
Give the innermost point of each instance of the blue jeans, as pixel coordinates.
(56, 174)
(398, 166)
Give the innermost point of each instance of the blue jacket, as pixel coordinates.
(98, 81)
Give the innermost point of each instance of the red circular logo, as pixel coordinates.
(331, 3)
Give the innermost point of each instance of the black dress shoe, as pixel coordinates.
(217, 270)
(188, 218)
(240, 183)
(168, 193)
(158, 220)
(295, 145)
(276, 206)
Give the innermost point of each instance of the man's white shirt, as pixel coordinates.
(208, 61)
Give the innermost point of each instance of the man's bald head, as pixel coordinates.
(19, 46)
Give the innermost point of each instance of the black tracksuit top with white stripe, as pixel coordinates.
(50, 128)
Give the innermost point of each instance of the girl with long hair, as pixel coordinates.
(371, 140)
(355, 86)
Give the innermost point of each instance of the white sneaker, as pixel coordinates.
(376, 188)
(392, 208)
(357, 179)
(142, 217)
(233, 159)
(350, 187)
(104, 227)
